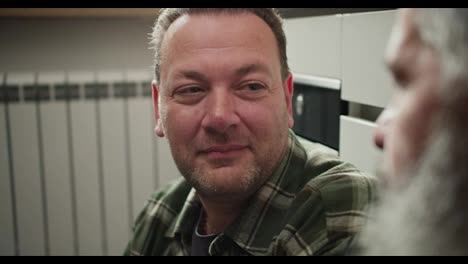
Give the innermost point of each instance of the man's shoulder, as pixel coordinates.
(154, 221)
(311, 146)
(338, 183)
(322, 162)
(341, 189)
(320, 158)
(331, 207)
(164, 205)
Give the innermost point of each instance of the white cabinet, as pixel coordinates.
(313, 45)
(349, 47)
(356, 144)
(365, 79)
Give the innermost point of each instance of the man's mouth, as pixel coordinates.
(223, 151)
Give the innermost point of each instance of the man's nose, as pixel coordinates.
(383, 122)
(221, 112)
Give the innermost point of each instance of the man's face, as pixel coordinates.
(222, 103)
(404, 126)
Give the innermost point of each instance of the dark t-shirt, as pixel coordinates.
(201, 243)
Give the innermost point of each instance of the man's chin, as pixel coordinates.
(225, 180)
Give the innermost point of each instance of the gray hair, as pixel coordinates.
(168, 15)
(446, 30)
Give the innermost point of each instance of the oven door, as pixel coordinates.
(317, 107)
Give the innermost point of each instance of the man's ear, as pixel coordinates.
(157, 119)
(288, 91)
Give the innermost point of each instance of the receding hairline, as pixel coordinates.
(270, 16)
(248, 67)
(218, 14)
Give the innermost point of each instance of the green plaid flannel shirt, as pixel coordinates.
(313, 204)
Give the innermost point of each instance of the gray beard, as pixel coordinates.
(429, 215)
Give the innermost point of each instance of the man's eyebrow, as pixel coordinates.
(193, 75)
(244, 70)
(255, 67)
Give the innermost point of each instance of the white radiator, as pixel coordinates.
(78, 159)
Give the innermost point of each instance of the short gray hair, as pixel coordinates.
(168, 15)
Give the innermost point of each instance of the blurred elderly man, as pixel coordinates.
(423, 209)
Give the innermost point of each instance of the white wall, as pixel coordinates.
(74, 44)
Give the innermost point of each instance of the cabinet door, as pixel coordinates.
(313, 45)
(364, 76)
(356, 144)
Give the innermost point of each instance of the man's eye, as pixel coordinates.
(252, 91)
(189, 94)
(401, 78)
(254, 86)
(190, 90)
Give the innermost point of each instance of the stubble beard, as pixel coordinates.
(244, 181)
(252, 177)
(240, 180)
(249, 181)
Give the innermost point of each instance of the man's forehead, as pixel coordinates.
(174, 27)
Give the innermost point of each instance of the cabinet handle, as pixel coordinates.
(299, 104)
